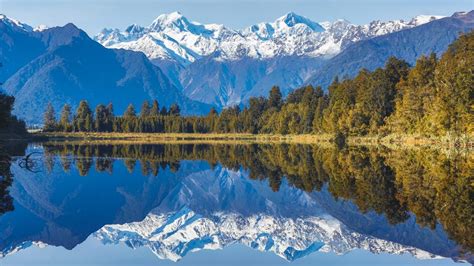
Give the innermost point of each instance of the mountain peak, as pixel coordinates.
(171, 20)
(423, 19)
(292, 19)
(15, 24)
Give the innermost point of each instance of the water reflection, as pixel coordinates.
(288, 199)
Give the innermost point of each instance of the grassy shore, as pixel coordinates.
(182, 137)
(464, 142)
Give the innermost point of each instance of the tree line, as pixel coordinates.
(435, 97)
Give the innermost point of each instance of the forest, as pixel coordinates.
(435, 97)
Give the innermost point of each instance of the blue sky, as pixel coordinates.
(93, 15)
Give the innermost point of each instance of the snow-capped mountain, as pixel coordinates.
(172, 235)
(220, 66)
(13, 23)
(174, 37)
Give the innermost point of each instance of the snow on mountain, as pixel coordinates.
(172, 235)
(173, 37)
(13, 23)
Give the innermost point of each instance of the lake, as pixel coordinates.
(125, 203)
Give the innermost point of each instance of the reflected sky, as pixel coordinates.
(91, 252)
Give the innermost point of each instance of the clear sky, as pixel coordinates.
(93, 15)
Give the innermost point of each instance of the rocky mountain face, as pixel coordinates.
(63, 65)
(217, 65)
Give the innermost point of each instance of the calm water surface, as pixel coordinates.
(233, 204)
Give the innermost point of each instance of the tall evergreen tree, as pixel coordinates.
(110, 118)
(155, 109)
(163, 111)
(65, 118)
(275, 98)
(83, 120)
(130, 111)
(145, 111)
(49, 119)
(6, 107)
(175, 110)
(100, 120)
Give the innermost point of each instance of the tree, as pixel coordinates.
(6, 107)
(130, 111)
(101, 118)
(155, 109)
(275, 98)
(163, 111)
(414, 97)
(65, 118)
(49, 119)
(109, 119)
(145, 111)
(83, 120)
(175, 110)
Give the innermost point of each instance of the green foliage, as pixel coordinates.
(49, 119)
(65, 118)
(83, 120)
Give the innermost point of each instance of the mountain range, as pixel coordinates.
(220, 66)
(202, 65)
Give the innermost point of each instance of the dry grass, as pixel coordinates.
(391, 141)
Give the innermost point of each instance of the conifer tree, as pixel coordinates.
(65, 119)
(49, 119)
(452, 110)
(155, 109)
(100, 120)
(145, 111)
(163, 111)
(83, 120)
(109, 120)
(130, 111)
(175, 110)
(275, 98)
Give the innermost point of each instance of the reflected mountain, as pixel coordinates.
(288, 199)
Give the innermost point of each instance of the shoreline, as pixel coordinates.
(394, 141)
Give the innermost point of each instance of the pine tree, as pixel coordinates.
(145, 111)
(83, 120)
(155, 109)
(175, 110)
(130, 112)
(6, 107)
(110, 119)
(275, 98)
(49, 119)
(100, 120)
(163, 111)
(65, 119)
